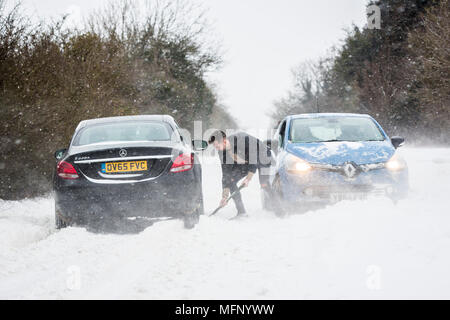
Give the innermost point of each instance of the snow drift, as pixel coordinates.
(369, 249)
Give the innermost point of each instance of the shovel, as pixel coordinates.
(228, 200)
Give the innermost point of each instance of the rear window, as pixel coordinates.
(124, 132)
(335, 129)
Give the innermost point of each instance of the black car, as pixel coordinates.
(125, 168)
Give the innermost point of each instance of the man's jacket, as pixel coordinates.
(246, 154)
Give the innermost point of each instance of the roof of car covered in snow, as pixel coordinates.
(328, 115)
(164, 118)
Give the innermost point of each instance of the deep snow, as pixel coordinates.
(363, 249)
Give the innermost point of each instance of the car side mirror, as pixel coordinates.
(199, 145)
(60, 154)
(397, 142)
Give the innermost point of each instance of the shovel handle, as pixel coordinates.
(228, 200)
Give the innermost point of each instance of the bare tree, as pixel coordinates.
(127, 59)
(430, 47)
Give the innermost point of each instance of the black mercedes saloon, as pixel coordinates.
(126, 168)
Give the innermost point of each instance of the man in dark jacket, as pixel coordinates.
(241, 155)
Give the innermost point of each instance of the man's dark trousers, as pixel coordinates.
(238, 173)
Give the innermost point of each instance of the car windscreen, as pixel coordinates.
(328, 129)
(132, 131)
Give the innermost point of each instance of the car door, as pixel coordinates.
(280, 137)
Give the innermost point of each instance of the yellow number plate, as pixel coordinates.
(121, 167)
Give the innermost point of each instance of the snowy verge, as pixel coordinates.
(25, 222)
(361, 249)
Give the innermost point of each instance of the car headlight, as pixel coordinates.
(396, 163)
(296, 165)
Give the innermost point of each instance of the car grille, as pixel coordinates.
(349, 169)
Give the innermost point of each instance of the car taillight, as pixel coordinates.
(183, 162)
(66, 171)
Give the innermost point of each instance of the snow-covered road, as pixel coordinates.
(362, 249)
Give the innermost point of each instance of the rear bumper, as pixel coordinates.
(171, 195)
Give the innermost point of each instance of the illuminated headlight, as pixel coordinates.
(396, 163)
(296, 165)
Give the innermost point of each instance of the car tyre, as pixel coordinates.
(59, 222)
(278, 206)
(191, 220)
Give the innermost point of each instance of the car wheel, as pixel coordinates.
(191, 220)
(59, 222)
(278, 204)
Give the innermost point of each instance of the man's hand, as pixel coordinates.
(223, 202)
(225, 195)
(247, 180)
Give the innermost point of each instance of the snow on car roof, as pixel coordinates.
(165, 118)
(328, 115)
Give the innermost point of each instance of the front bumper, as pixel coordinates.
(330, 187)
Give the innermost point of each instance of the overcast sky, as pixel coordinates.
(262, 41)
